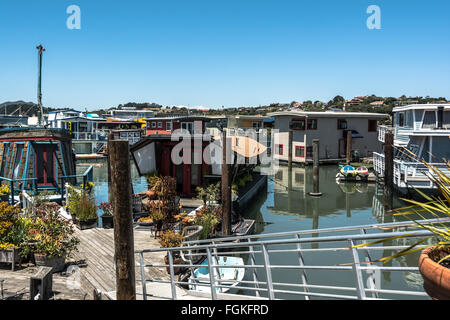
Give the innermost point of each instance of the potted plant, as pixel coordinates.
(171, 239)
(107, 216)
(52, 237)
(4, 193)
(145, 221)
(83, 209)
(157, 218)
(434, 260)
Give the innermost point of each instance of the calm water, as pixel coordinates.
(287, 207)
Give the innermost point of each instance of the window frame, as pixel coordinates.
(368, 125)
(339, 121)
(308, 122)
(302, 150)
(277, 149)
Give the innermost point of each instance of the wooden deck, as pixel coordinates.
(96, 258)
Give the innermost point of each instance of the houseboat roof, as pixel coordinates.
(178, 118)
(29, 133)
(421, 107)
(330, 114)
(248, 117)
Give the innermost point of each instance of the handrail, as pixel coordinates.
(12, 181)
(259, 258)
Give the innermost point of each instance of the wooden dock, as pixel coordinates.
(96, 258)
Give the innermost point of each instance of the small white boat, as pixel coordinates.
(362, 171)
(229, 276)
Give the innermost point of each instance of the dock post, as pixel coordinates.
(316, 192)
(226, 188)
(348, 153)
(290, 149)
(110, 138)
(118, 151)
(388, 168)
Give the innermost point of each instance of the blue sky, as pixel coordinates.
(222, 53)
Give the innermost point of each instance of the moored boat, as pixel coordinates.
(348, 171)
(229, 276)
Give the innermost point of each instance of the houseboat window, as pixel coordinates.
(187, 126)
(312, 124)
(5, 152)
(160, 124)
(298, 124)
(169, 126)
(342, 124)
(279, 149)
(446, 121)
(401, 119)
(19, 149)
(153, 124)
(256, 125)
(372, 126)
(299, 151)
(429, 120)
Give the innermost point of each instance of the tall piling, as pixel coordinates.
(290, 149)
(348, 153)
(388, 169)
(110, 138)
(226, 188)
(118, 151)
(316, 191)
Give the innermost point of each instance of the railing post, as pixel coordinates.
(302, 263)
(254, 271)
(211, 274)
(358, 274)
(172, 275)
(143, 280)
(371, 273)
(268, 270)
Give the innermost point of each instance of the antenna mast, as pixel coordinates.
(41, 110)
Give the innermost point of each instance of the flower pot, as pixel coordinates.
(85, 224)
(57, 263)
(108, 222)
(436, 278)
(11, 256)
(176, 260)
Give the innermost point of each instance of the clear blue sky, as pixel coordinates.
(214, 53)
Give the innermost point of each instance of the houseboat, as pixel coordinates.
(420, 132)
(36, 159)
(331, 128)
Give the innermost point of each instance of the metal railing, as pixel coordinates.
(382, 131)
(87, 176)
(11, 183)
(299, 264)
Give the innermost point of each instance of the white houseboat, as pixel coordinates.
(424, 130)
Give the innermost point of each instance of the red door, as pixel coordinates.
(45, 164)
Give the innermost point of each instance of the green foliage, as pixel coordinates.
(435, 207)
(170, 239)
(210, 193)
(208, 218)
(82, 204)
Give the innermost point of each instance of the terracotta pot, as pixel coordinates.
(436, 278)
(57, 263)
(176, 260)
(150, 194)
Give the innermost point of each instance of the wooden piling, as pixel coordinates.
(388, 168)
(290, 149)
(226, 188)
(348, 153)
(118, 151)
(110, 138)
(316, 191)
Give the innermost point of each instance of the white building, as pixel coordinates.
(330, 128)
(423, 130)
